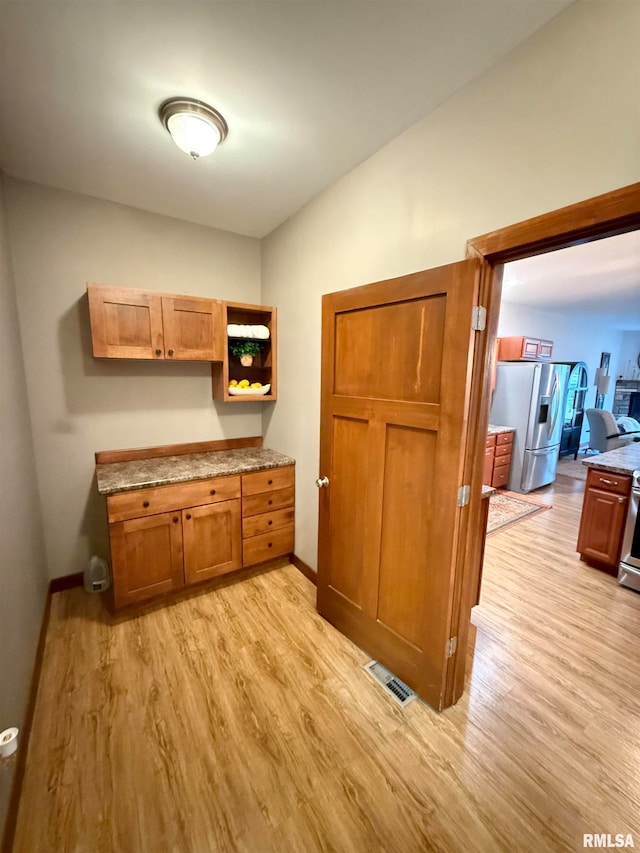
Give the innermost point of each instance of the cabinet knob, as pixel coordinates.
(145, 504)
(270, 544)
(270, 523)
(158, 352)
(170, 352)
(175, 519)
(269, 503)
(270, 483)
(188, 516)
(213, 491)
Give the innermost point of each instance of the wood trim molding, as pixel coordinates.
(601, 216)
(104, 457)
(303, 567)
(25, 732)
(65, 582)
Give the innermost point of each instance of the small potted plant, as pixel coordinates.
(245, 351)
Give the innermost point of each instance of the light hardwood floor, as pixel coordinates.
(239, 720)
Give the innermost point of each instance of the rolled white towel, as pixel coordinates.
(233, 330)
(261, 332)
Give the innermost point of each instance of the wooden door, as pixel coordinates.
(192, 328)
(396, 371)
(125, 323)
(212, 540)
(146, 557)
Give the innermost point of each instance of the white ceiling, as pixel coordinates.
(601, 278)
(309, 90)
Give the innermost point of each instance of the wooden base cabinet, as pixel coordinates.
(167, 537)
(267, 514)
(604, 512)
(497, 459)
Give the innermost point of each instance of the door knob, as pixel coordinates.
(322, 482)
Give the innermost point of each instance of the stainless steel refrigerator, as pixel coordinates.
(529, 396)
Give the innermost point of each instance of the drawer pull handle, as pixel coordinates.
(175, 519)
(213, 491)
(145, 504)
(621, 500)
(608, 482)
(188, 516)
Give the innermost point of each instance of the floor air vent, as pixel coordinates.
(398, 690)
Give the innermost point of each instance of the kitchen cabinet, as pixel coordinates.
(497, 459)
(520, 348)
(264, 367)
(166, 537)
(604, 512)
(140, 324)
(267, 514)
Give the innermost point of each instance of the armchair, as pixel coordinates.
(604, 433)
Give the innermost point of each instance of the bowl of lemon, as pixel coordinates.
(247, 389)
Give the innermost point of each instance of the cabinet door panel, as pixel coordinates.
(530, 348)
(601, 524)
(146, 556)
(192, 328)
(125, 323)
(212, 540)
(545, 349)
(488, 466)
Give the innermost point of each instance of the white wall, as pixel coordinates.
(576, 337)
(628, 367)
(80, 404)
(23, 583)
(554, 123)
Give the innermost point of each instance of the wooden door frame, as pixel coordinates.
(605, 215)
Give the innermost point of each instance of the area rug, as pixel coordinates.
(507, 509)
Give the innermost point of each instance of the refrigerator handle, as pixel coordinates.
(555, 404)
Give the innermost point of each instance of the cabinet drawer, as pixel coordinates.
(141, 502)
(267, 545)
(267, 481)
(267, 502)
(500, 476)
(504, 438)
(617, 483)
(253, 525)
(502, 450)
(490, 441)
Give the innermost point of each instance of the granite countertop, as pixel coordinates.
(492, 429)
(624, 460)
(116, 477)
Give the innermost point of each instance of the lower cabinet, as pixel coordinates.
(168, 537)
(497, 459)
(267, 514)
(604, 512)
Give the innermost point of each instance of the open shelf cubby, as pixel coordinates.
(263, 369)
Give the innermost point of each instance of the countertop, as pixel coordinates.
(624, 460)
(493, 429)
(116, 477)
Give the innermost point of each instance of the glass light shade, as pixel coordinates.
(195, 127)
(193, 134)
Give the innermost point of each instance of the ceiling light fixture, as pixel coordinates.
(195, 127)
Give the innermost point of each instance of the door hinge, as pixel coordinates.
(452, 645)
(479, 318)
(464, 495)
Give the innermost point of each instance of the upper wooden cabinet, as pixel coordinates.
(524, 349)
(140, 324)
(264, 368)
